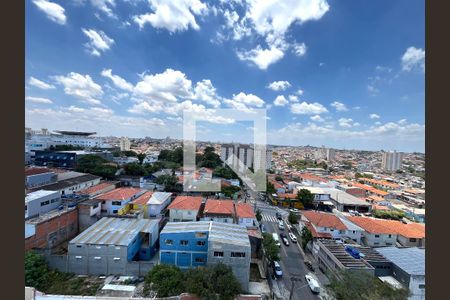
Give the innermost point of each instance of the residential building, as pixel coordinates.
(71, 185)
(89, 212)
(191, 244)
(106, 247)
(331, 226)
(218, 211)
(124, 144)
(185, 208)
(250, 157)
(51, 229)
(40, 202)
(381, 232)
(245, 215)
(117, 199)
(35, 177)
(408, 268)
(392, 161)
(153, 203)
(98, 189)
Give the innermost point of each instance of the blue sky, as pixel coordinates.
(344, 74)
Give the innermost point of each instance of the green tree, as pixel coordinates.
(229, 191)
(224, 282)
(166, 280)
(353, 285)
(292, 218)
(271, 249)
(305, 197)
(36, 271)
(270, 188)
(258, 215)
(141, 157)
(278, 178)
(96, 165)
(306, 236)
(134, 169)
(105, 171)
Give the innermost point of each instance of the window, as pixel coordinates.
(78, 257)
(169, 242)
(116, 258)
(79, 246)
(354, 231)
(184, 242)
(376, 243)
(341, 231)
(412, 240)
(200, 259)
(390, 235)
(116, 203)
(103, 202)
(26, 207)
(45, 203)
(421, 286)
(200, 235)
(201, 243)
(377, 235)
(218, 253)
(97, 258)
(237, 254)
(115, 211)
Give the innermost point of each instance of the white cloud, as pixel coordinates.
(374, 116)
(383, 69)
(81, 86)
(300, 92)
(261, 57)
(279, 85)
(300, 49)
(206, 92)
(345, 122)
(54, 12)
(105, 6)
(280, 101)
(40, 84)
(305, 108)
(413, 58)
(293, 98)
(39, 100)
(173, 15)
(117, 80)
(378, 123)
(402, 122)
(75, 109)
(339, 106)
(98, 41)
(317, 118)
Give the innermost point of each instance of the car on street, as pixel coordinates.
(276, 239)
(313, 284)
(277, 269)
(294, 210)
(263, 228)
(284, 239)
(278, 215)
(309, 265)
(292, 237)
(281, 225)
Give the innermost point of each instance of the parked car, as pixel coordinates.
(289, 227)
(294, 210)
(277, 269)
(263, 228)
(281, 225)
(284, 239)
(276, 239)
(313, 284)
(309, 265)
(278, 215)
(292, 237)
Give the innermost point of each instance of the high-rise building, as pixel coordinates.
(330, 154)
(125, 144)
(392, 161)
(250, 157)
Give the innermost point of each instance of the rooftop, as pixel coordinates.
(186, 203)
(159, 197)
(123, 193)
(175, 227)
(411, 260)
(322, 219)
(229, 233)
(68, 182)
(381, 226)
(95, 188)
(143, 199)
(114, 231)
(348, 261)
(30, 171)
(245, 210)
(39, 194)
(220, 207)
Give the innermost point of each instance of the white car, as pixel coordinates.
(294, 210)
(313, 284)
(281, 225)
(277, 269)
(292, 237)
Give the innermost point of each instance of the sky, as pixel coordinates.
(343, 74)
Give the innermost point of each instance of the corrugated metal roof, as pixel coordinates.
(114, 231)
(411, 260)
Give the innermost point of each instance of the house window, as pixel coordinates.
(200, 235)
(237, 254)
(78, 257)
(218, 253)
(412, 240)
(79, 246)
(184, 242)
(116, 258)
(341, 231)
(201, 243)
(103, 202)
(376, 243)
(169, 242)
(117, 203)
(26, 207)
(97, 258)
(45, 203)
(200, 259)
(421, 286)
(115, 211)
(377, 235)
(389, 235)
(189, 212)
(354, 231)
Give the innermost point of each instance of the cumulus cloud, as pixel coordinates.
(54, 11)
(317, 118)
(374, 116)
(280, 101)
(262, 58)
(299, 49)
(105, 6)
(413, 58)
(117, 80)
(40, 84)
(305, 108)
(293, 98)
(38, 100)
(345, 122)
(206, 92)
(81, 87)
(279, 85)
(98, 41)
(300, 92)
(244, 101)
(172, 15)
(339, 106)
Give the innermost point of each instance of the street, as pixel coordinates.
(291, 259)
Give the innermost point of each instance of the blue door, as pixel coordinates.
(183, 259)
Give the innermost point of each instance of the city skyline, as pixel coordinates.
(329, 73)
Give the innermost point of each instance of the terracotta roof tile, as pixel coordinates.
(222, 207)
(95, 188)
(321, 219)
(122, 193)
(29, 171)
(143, 199)
(381, 226)
(245, 210)
(186, 203)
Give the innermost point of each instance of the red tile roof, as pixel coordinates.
(221, 207)
(316, 234)
(95, 188)
(321, 219)
(369, 188)
(143, 199)
(245, 210)
(381, 226)
(312, 177)
(186, 203)
(122, 193)
(29, 171)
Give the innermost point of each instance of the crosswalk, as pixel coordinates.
(269, 218)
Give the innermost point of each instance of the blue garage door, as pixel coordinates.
(168, 258)
(183, 259)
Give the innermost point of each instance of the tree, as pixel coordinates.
(305, 197)
(166, 280)
(258, 215)
(353, 285)
(141, 157)
(224, 283)
(306, 236)
(292, 218)
(229, 191)
(278, 178)
(96, 165)
(134, 169)
(271, 249)
(270, 188)
(36, 271)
